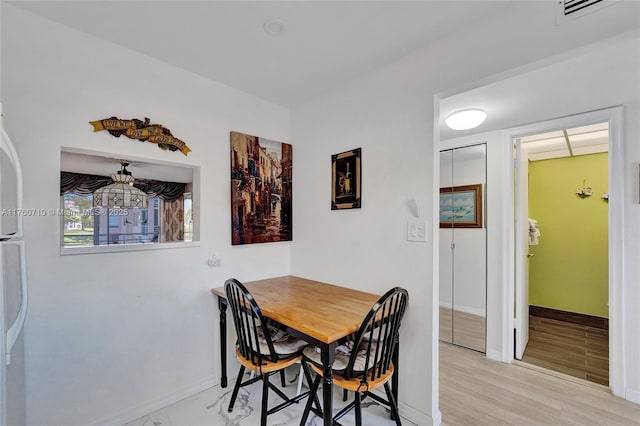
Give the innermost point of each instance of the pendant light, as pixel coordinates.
(121, 193)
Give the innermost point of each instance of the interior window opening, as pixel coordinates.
(102, 209)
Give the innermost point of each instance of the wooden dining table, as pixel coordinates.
(320, 313)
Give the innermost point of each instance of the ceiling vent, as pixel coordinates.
(567, 10)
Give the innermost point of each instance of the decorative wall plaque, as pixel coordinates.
(143, 131)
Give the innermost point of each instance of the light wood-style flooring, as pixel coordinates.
(462, 329)
(577, 350)
(478, 391)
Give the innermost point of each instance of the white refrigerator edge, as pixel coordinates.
(13, 287)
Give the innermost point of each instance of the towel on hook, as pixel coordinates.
(534, 232)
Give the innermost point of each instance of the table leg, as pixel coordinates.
(328, 356)
(222, 306)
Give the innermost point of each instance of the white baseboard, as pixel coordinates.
(437, 419)
(494, 355)
(633, 395)
(415, 416)
(466, 309)
(147, 407)
(408, 412)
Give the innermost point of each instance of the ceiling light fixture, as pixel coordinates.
(121, 193)
(274, 27)
(466, 119)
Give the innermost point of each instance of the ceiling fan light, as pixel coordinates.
(466, 119)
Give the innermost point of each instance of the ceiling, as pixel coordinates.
(325, 43)
(593, 78)
(582, 140)
(80, 162)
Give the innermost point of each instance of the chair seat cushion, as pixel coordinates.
(356, 384)
(283, 343)
(343, 352)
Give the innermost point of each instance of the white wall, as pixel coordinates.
(389, 113)
(113, 336)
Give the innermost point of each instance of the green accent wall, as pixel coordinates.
(569, 269)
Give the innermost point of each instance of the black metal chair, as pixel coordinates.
(261, 348)
(365, 363)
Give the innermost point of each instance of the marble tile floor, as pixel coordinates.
(209, 408)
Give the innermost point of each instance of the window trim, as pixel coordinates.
(66, 251)
(115, 248)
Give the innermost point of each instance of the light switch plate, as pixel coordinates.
(417, 231)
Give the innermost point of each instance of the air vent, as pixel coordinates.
(567, 10)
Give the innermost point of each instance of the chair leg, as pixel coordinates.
(300, 379)
(393, 404)
(307, 408)
(345, 394)
(282, 378)
(358, 410)
(309, 379)
(265, 399)
(236, 388)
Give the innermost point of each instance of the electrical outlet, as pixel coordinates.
(213, 261)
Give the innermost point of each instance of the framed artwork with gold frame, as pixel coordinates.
(461, 206)
(346, 181)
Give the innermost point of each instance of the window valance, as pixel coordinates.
(86, 184)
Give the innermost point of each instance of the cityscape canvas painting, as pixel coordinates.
(260, 190)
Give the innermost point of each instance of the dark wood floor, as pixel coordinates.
(577, 350)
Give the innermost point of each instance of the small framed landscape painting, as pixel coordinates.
(461, 206)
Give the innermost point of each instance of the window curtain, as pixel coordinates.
(86, 184)
(173, 220)
(82, 184)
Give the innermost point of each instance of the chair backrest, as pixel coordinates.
(250, 324)
(377, 337)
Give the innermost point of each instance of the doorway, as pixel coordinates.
(562, 251)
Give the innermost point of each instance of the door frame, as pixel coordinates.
(614, 116)
(521, 248)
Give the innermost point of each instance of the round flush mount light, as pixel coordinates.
(466, 119)
(274, 27)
